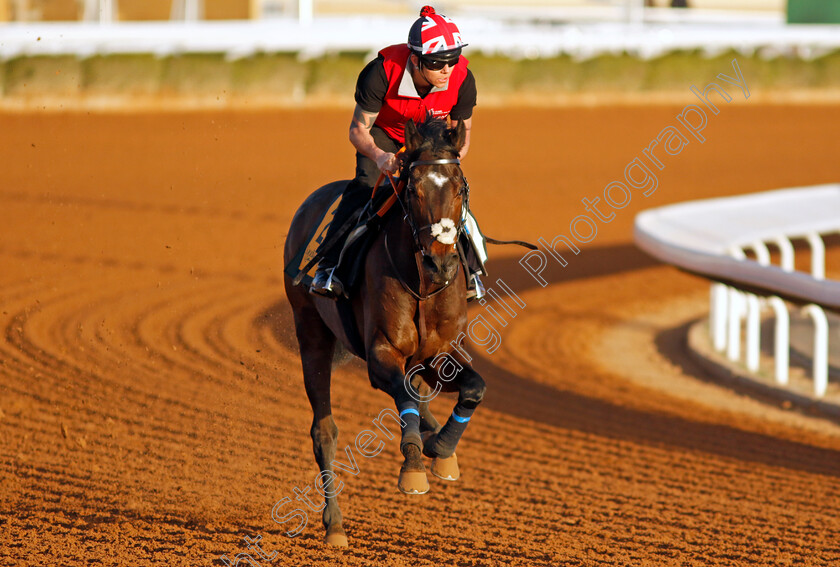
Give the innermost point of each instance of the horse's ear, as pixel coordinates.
(458, 135)
(413, 139)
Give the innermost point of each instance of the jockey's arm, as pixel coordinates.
(363, 141)
(466, 146)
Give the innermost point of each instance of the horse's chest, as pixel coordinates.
(435, 332)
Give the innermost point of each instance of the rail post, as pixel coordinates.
(820, 359)
(817, 255)
(786, 253)
(781, 340)
(720, 295)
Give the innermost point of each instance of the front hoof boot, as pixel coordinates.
(413, 482)
(446, 469)
(336, 538)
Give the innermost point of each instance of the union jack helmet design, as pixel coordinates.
(434, 33)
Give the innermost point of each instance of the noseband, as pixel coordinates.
(405, 204)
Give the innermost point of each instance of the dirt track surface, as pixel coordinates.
(151, 404)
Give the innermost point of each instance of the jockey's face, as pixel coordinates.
(429, 77)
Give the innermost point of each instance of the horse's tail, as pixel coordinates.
(517, 242)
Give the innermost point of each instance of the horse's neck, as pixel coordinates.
(400, 241)
(402, 250)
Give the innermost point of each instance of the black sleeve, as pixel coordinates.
(372, 85)
(466, 99)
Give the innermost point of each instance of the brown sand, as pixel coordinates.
(151, 404)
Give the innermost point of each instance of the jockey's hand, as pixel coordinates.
(387, 163)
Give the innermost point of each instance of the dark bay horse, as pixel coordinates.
(410, 310)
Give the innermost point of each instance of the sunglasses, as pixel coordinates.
(437, 64)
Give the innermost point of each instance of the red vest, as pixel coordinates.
(397, 109)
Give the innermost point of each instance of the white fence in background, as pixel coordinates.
(712, 238)
(368, 34)
(305, 10)
(311, 28)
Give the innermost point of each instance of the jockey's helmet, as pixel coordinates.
(435, 38)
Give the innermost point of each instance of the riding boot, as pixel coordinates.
(325, 283)
(474, 252)
(475, 288)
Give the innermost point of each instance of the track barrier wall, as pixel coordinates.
(712, 238)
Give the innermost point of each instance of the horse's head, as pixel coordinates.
(435, 193)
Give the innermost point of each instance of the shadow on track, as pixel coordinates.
(671, 344)
(520, 397)
(592, 262)
(279, 320)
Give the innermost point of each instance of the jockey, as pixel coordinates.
(425, 77)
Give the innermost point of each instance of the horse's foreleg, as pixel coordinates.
(428, 423)
(317, 345)
(385, 369)
(471, 392)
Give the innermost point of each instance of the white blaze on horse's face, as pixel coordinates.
(437, 178)
(444, 231)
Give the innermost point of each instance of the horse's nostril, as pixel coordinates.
(441, 268)
(430, 264)
(450, 263)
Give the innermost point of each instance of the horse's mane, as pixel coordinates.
(436, 138)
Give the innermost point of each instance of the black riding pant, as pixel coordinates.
(357, 193)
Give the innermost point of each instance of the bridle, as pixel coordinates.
(403, 191)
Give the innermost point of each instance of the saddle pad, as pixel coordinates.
(310, 246)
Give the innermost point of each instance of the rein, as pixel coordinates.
(417, 258)
(399, 187)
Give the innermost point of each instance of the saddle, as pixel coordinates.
(354, 239)
(356, 242)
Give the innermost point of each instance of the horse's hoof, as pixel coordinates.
(337, 539)
(413, 482)
(447, 468)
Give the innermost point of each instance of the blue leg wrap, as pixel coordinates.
(452, 431)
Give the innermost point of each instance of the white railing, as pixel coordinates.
(553, 10)
(309, 28)
(712, 237)
(327, 34)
